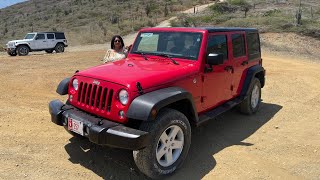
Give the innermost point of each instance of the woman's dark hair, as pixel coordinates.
(112, 41)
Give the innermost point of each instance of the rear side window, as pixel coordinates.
(50, 36)
(60, 36)
(218, 45)
(253, 46)
(238, 45)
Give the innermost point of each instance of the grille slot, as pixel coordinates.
(104, 98)
(109, 100)
(98, 98)
(95, 96)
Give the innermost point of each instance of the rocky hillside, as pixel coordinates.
(267, 15)
(86, 21)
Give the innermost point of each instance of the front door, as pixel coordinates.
(40, 41)
(218, 80)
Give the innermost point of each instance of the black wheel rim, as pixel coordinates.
(23, 51)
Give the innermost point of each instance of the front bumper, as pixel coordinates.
(10, 50)
(99, 130)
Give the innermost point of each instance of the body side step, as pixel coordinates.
(219, 110)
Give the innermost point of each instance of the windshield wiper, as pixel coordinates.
(143, 54)
(168, 56)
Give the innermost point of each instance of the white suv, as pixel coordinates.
(38, 41)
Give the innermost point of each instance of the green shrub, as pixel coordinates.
(238, 2)
(273, 12)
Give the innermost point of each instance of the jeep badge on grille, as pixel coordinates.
(96, 82)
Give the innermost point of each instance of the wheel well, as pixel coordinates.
(59, 43)
(260, 76)
(24, 45)
(185, 107)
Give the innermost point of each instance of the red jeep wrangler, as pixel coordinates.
(172, 79)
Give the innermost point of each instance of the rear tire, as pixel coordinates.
(59, 48)
(253, 101)
(23, 50)
(49, 51)
(169, 144)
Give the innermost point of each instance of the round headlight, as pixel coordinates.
(75, 84)
(123, 97)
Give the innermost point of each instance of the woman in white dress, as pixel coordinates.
(117, 51)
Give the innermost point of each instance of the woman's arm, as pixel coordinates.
(109, 57)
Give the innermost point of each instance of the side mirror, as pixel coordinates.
(214, 59)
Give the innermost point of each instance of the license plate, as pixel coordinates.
(75, 126)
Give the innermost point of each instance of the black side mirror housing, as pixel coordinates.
(214, 59)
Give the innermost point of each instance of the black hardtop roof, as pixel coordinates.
(209, 29)
(229, 29)
(51, 32)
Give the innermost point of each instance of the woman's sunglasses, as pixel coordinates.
(116, 40)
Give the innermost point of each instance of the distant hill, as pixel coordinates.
(86, 21)
(267, 15)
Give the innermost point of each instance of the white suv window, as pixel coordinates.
(40, 36)
(50, 36)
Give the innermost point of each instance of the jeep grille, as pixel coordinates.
(95, 96)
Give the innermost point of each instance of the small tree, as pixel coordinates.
(245, 9)
(166, 11)
(299, 15)
(148, 9)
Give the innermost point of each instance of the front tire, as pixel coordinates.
(253, 101)
(23, 50)
(169, 144)
(59, 48)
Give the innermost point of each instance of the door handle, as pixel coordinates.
(229, 69)
(244, 63)
(44, 41)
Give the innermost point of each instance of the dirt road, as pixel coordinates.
(282, 141)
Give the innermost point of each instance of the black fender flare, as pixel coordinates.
(63, 87)
(142, 106)
(251, 73)
(24, 45)
(59, 43)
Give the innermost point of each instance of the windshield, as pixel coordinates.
(175, 44)
(29, 36)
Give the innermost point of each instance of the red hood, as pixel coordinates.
(149, 73)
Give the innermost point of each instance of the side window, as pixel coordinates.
(50, 36)
(253, 46)
(40, 36)
(60, 36)
(218, 44)
(238, 45)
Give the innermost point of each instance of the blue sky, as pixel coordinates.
(5, 3)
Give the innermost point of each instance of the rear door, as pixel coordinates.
(217, 82)
(239, 57)
(50, 40)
